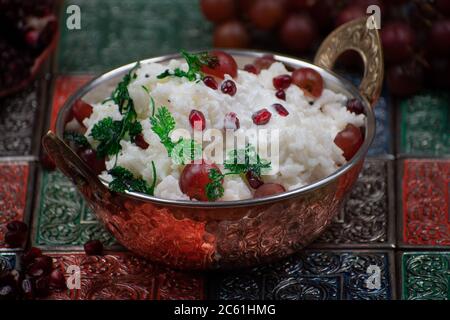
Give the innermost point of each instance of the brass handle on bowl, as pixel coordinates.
(355, 35)
(73, 167)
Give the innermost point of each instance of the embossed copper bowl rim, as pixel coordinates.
(330, 77)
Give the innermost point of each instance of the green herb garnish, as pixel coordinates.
(124, 180)
(77, 138)
(110, 132)
(241, 161)
(195, 63)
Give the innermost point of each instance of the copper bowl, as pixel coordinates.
(212, 235)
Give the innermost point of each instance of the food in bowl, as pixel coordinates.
(128, 139)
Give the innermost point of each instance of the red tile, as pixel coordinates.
(119, 276)
(13, 193)
(425, 202)
(65, 86)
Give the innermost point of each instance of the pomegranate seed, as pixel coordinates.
(17, 226)
(42, 286)
(140, 141)
(280, 109)
(281, 94)
(355, 106)
(253, 180)
(47, 162)
(210, 82)
(229, 87)
(29, 256)
(57, 279)
(231, 121)
(261, 117)
(197, 120)
(282, 82)
(93, 248)
(251, 68)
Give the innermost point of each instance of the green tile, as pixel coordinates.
(117, 32)
(63, 219)
(425, 125)
(426, 276)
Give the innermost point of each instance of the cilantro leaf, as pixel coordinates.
(214, 189)
(124, 180)
(108, 133)
(162, 124)
(77, 138)
(195, 63)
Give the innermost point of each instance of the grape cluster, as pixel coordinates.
(415, 34)
(26, 29)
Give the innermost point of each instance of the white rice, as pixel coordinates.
(307, 151)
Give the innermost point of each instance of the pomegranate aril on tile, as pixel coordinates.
(282, 82)
(261, 117)
(210, 82)
(93, 248)
(140, 141)
(231, 121)
(253, 180)
(281, 94)
(280, 109)
(229, 87)
(197, 120)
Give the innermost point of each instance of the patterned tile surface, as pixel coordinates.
(124, 276)
(118, 32)
(425, 201)
(383, 142)
(425, 125)
(313, 275)
(19, 122)
(7, 261)
(13, 194)
(65, 86)
(425, 275)
(62, 218)
(367, 217)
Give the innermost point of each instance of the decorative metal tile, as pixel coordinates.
(425, 125)
(124, 31)
(426, 275)
(119, 276)
(62, 219)
(64, 87)
(13, 195)
(20, 121)
(366, 218)
(425, 202)
(313, 275)
(7, 261)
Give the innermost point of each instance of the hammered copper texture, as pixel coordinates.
(13, 194)
(364, 217)
(425, 201)
(123, 276)
(426, 275)
(312, 275)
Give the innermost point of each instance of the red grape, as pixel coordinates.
(218, 10)
(195, 178)
(268, 189)
(398, 40)
(231, 34)
(298, 32)
(350, 13)
(440, 37)
(226, 65)
(81, 110)
(309, 80)
(405, 79)
(349, 140)
(266, 14)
